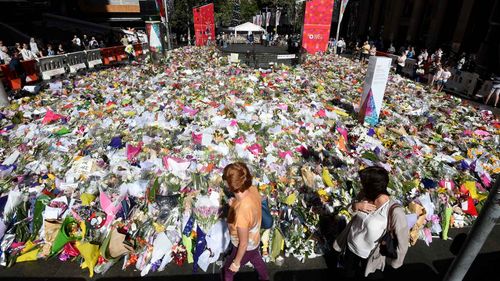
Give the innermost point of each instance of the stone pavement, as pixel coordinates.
(422, 263)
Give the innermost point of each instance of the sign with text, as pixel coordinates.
(317, 22)
(204, 24)
(286, 57)
(374, 89)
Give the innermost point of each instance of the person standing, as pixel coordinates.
(437, 78)
(129, 49)
(124, 40)
(391, 49)
(85, 42)
(401, 63)
(373, 51)
(410, 52)
(365, 52)
(445, 75)
(340, 46)
(77, 43)
(425, 55)
(93, 44)
(50, 51)
(16, 66)
(34, 47)
(4, 55)
(419, 69)
(374, 213)
(26, 53)
(60, 50)
(244, 221)
(263, 38)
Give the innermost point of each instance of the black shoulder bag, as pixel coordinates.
(389, 241)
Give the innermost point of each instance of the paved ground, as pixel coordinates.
(422, 263)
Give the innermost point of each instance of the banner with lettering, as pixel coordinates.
(153, 32)
(317, 22)
(204, 24)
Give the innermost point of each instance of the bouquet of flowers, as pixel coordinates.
(207, 210)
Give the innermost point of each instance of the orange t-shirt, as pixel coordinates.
(246, 213)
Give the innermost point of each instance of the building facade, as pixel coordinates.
(471, 26)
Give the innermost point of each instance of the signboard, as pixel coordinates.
(374, 89)
(286, 57)
(204, 24)
(317, 22)
(153, 32)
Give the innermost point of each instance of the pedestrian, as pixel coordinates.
(391, 49)
(373, 51)
(411, 52)
(374, 213)
(443, 79)
(460, 63)
(340, 46)
(93, 44)
(27, 54)
(419, 69)
(425, 55)
(365, 52)
(495, 90)
(85, 42)
(224, 40)
(77, 43)
(34, 47)
(124, 40)
(50, 51)
(16, 66)
(401, 63)
(4, 55)
(244, 221)
(129, 49)
(60, 50)
(437, 78)
(263, 38)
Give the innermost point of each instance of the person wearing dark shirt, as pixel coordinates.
(16, 66)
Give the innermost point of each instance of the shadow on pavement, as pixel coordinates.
(484, 267)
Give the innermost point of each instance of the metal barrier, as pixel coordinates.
(120, 53)
(108, 55)
(31, 70)
(51, 66)
(93, 58)
(485, 89)
(463, 83)
(11, 78)
(76, 61)
(138, 50)
(409, 68)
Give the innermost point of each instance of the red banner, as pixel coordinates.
(317, 22)
(204, 24)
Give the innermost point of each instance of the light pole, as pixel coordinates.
(4, 100)
(169, 46)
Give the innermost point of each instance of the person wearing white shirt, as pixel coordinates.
(391, 49)
(340, 46)
(4, 55)
(77, 43)
(34, 47)
(26, 53)
(374, 213)
(445, 75)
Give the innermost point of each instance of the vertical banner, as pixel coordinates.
(204, 24)
(317, 22)
(268, 18)
(278, 15)
(254, 20)
(153, 32)
(343, 4)
(374, 89)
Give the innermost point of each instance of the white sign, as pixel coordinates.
(374, 89)
(286, 57)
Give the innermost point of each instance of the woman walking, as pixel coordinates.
(244, 220)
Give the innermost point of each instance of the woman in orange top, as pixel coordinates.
(244, 219)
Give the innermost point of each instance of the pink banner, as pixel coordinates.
(317, 22)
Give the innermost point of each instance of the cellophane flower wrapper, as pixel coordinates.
(165, 134)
